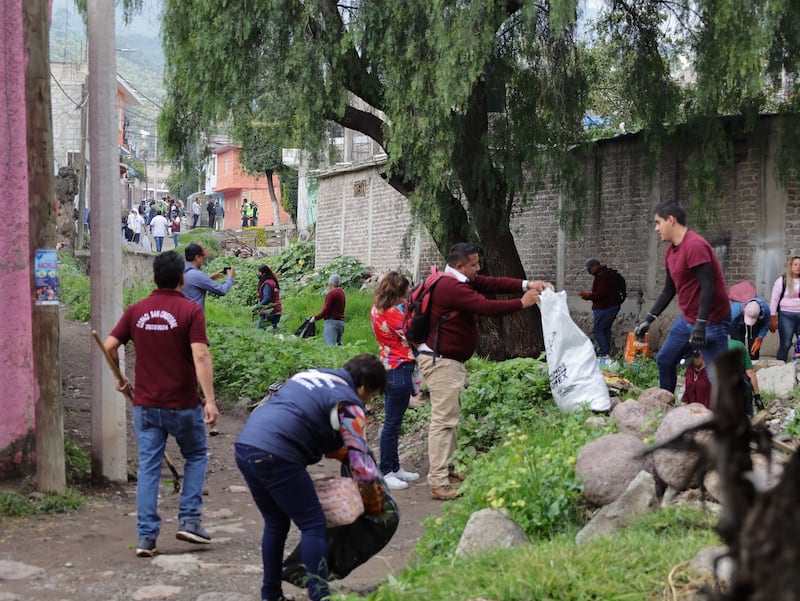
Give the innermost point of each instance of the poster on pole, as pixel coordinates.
(45, 277)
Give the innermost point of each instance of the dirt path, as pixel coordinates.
(89, 555)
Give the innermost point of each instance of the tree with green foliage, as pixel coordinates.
(475, 103)
(261, 156)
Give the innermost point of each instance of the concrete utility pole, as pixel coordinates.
(50, 469)
(82, 169)
(109, 451)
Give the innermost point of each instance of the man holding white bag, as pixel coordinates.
(455, 304)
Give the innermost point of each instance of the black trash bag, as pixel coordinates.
(352, 545)
(307, 329)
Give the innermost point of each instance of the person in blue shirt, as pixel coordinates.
(316, 412)
(750, 323)
(196, 283)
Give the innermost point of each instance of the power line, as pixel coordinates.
(140, 93)
(60, 87)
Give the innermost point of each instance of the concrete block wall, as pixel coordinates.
(756, 224)
(376, 228)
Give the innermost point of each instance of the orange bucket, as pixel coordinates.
(635, 347)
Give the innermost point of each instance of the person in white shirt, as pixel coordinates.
(195, 213)
(135, 224)
(159, 226)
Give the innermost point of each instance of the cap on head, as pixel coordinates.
(335, 280)
(751, 312)
(590, 263)
(193, 251)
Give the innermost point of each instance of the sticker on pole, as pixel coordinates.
(45, 277)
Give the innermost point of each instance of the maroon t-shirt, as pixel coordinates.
(333, 306)
(162, 327)
(694, 250)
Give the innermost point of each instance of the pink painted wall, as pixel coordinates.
(17, 385)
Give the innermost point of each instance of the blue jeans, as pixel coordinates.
(333, 331)
(395, 403)
(603, 318)
(152, 426)
(677, 345)
(273, 319)
(175, 236)
(788, 328)
(159, 242)
(283, 491)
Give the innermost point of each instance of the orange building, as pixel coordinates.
(228, 177)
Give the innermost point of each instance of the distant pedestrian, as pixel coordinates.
(254, 216)
(159, 226)
(245, 214)
(219, 219)
(176, 229)
(606, 300)
(195, 212)
(136, 224)
(212, 212)
(333, 312)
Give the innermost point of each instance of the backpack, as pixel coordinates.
(619, 284)
(417, 316)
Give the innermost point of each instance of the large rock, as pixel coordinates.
(779, 379)
(639, 419)
(638, 498)
(658, 398)
(675, 467)
(608, 464)
(490, 529)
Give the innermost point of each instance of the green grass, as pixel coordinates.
(15, 504)
(633, 565)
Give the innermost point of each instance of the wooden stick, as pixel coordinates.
(129, 393)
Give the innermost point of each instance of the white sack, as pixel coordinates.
(575, 377)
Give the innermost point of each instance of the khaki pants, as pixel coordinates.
(445, 379)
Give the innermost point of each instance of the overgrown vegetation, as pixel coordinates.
(517, 448)
(25, 502)
(645, 561)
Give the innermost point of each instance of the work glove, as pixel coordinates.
(773, 323)
(698, 337)
(372, 496)
(758, 402)
(756, 346)
(311, 320)
(640, 330)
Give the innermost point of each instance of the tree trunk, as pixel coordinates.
(276, 210)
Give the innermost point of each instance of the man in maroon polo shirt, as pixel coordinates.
(167, 326)
(451, 342)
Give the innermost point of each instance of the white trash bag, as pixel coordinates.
(575, 378)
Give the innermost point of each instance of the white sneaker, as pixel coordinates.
(405, 476)
(394, 483)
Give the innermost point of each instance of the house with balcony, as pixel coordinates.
(226, 179)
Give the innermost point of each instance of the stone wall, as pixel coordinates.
(755, 227)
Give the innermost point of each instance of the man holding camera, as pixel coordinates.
(196, 282)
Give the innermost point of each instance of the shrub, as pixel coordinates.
(75, 288)
(531, 474)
